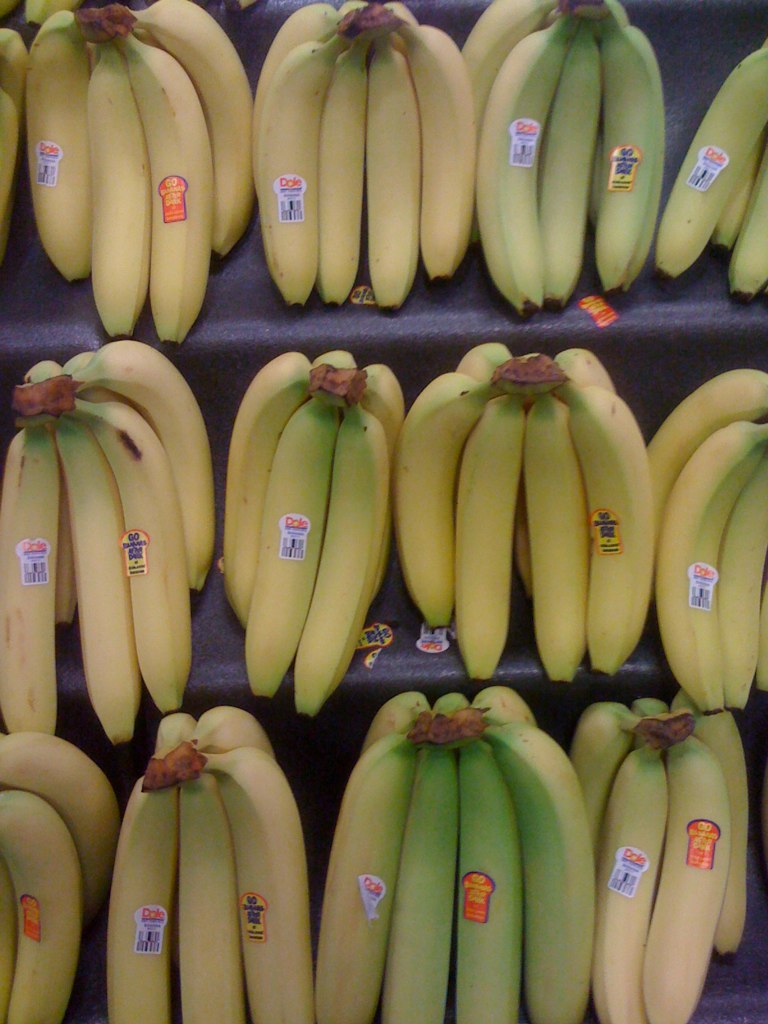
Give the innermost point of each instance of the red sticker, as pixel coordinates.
(602, 314)
(702, 839)
(173, 191)
(30, 906)
(477, 896)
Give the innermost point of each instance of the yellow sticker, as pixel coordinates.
(254, 910)
(362, 295)
(623, 163)
(378, 634)
(30, 907)
(135, 544)
(606, 532)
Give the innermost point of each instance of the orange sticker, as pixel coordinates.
(172, 191)
(254, 909)
(30, 906)
(702, 839)
(606, 533)
(602, 314)
(477, 896)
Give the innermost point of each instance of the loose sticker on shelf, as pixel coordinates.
(602, 314)
(30, 914)
(372, 892)
(702, 840)
(629, 866)
(290, 189)
(150, 921)
(254, 907)
(49, 156)
(362, 295)
(433, 641)
(173, 197)
(711, 160)
(701, 586)
(478, 888)
(524, 136)
(294, 530)
(134, 545)
(622, 168)
(606, 532)
(373, 640)
(33, 561)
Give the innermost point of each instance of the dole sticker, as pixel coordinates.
(629, 867)
(294, 530)
(622, 168)
(606, 532)
(254, 910)
(372, 892)
(49, 156)
(30, 912)
(524, 136)
(173, 196)
(702, 840)
(33, 561)
(710, 162)
(433, 641)
(478, 888)
(290, 189)
(701, 585)
(134, 545)
(150, 921)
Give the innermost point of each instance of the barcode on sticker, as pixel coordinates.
(627, 871)
(701, 585)
(711, 160)
(290, 189)
(294, 529)
(48, 156)
(150, 927)
(524, 136)
(33, 561)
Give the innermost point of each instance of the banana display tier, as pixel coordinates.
(659, 341)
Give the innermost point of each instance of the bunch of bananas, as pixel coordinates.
(59, 823)
(667, 799)
(584, 94)
(467, 442)
(710, 485)
(398, 129)
(140, 167)
(13, 76)
(107, 507)
(461, 814)
(211, 873)
(720, 194)
(307, 516)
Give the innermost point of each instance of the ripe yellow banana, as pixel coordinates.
(393, 175)
(13, 73)
(152, 546)
(583, 367)
(556, 508)
(8, 928)
(418, 953)
(481, 360)
(291, 538)
(448, 146)
(154, 385)
(501, 704)
(349, 560)
(342, 175)
(205, 51)
(272, 890)
(694, 872)
(9, 163)
(486, 497)
(398, 714)
(57, 144)
(119, 167)
(80, 792)
(747, 267)
(103, 594)
(507, 164)
(425, 474)
(42, 861)
(558, 871)
(224, 728)
(726, 231)
(613, 460)
(29, 522)
(181, 170)
(361, 880)
(627, 867)
(688, 560)
(173, 729)
(489, 897)
(142, 905)
(571, 137)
